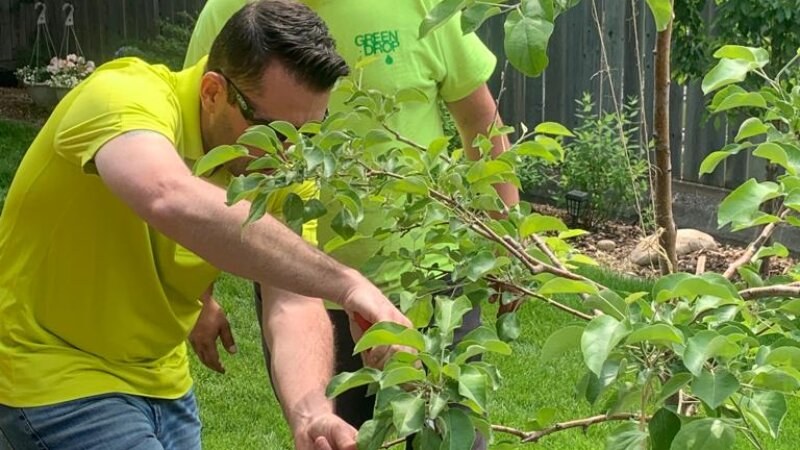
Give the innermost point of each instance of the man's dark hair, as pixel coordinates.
(268, 31)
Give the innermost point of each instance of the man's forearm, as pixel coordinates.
(300, 339)
(143, 169)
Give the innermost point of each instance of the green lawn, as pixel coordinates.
(240, 412)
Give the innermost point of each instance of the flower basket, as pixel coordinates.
(60, 91)
(42, 94)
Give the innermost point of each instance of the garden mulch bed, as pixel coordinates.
(15, 104)
(627, 236)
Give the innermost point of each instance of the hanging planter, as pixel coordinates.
(38, 85)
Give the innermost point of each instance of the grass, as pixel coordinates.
(239, 411)
(15, 137)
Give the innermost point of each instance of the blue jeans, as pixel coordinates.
(110, 421)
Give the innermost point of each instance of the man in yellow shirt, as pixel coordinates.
(446, 65)
(98, 275)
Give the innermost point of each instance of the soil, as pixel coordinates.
(15, 104)
(627, 236)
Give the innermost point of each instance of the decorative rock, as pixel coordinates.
(689, 240)
(606, 245)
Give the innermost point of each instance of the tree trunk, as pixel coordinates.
(663, 171)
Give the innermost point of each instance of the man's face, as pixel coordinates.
(280, 97)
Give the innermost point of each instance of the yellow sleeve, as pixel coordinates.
(467, 61)
(113, 102)
(209, 23)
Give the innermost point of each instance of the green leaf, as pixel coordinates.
(450, 313)
(759, 57)
(400, 375)
(776, 380)
(536, 150)
(601, 336)
(659, 333)
(440, 14)
(411, 95)
(791, 307)
(727, 71)
(715, 388)
(377, 137)
(561, 341)
(480, 170)
(705, 434)
(525, 42)
(313, 209)
(553, 129)
(662, 12)
(472, 385)
(242, 187)
(420, 312)
(390, 333)
(626, 437)
(663, 427)
(673, 385)
(410, 185)
(344, 224)
(693, 286)
(286, 129)
(704, 345)
(313, 156)
(773, 250)
(427, 439)
(372, 433)
(459, 434)
(293, 208)
(473, 17)
(217, 157)
(766, 410)
(775, 154)
(348, 380)
(742, 205)
(257, 209)
(566, 286)
(784, 357)
(749, 128)
(608, 302)
(508, 327)
(261, 137)
(479, 265)
(408, 414)
(741, 100)
(537, 223)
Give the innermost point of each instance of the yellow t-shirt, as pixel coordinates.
(92, 299)
(446, 64)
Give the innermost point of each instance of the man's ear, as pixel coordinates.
(213, 91)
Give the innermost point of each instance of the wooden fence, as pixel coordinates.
(101, 26)
(577, 65)
(578, 61)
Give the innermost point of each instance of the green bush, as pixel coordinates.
(600, 160)
(168, 47)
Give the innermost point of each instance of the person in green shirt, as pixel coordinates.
(447, 66)
(107, 241)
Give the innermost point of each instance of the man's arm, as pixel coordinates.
(144, 170)
(299, 335)
(473, 115)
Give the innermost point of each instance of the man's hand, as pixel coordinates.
(211, 324)
(366, 305)
(326, 432)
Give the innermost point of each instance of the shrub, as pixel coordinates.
(602, 159)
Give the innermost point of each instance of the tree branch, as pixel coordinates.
(780, 290)
(529, 437)
(754, 246)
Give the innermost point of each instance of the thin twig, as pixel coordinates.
(512, 287)
(754, 246)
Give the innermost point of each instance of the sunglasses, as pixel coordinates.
(246, 109)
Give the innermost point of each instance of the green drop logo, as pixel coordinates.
(389, 59)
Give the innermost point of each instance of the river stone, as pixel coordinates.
(689, 241)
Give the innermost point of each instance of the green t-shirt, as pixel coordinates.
(445, 65)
